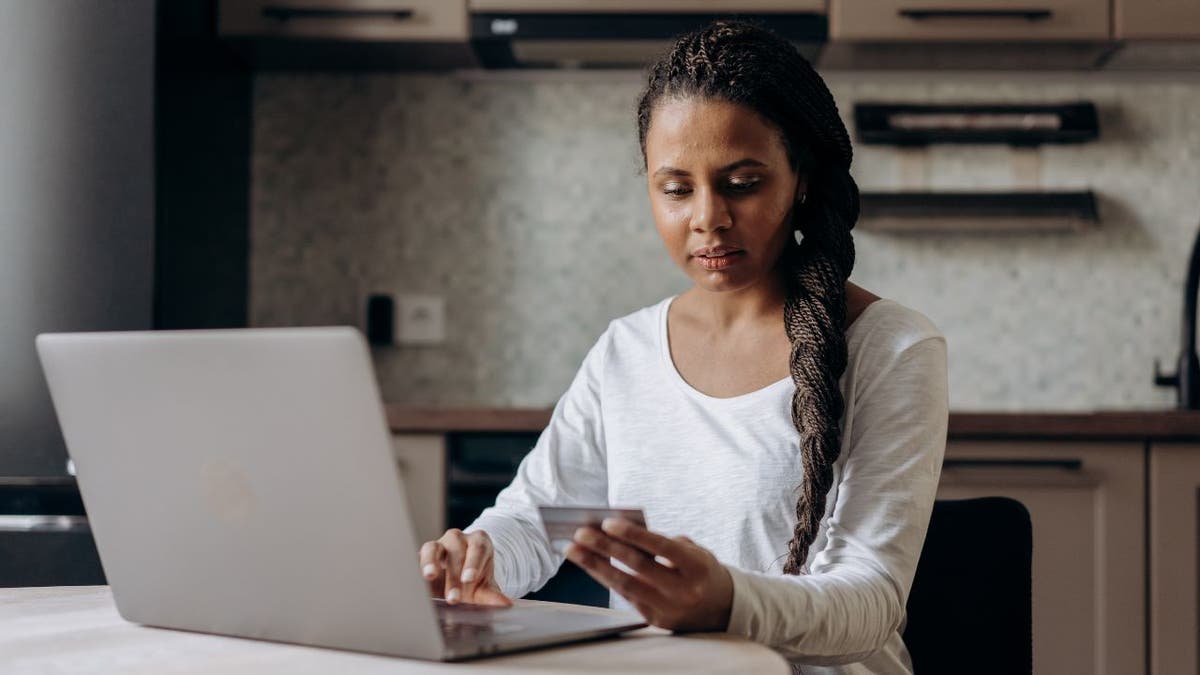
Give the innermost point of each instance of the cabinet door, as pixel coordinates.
(352, 20)
(1174, 564)
(968, 20)
(1086, 504)
(1156, 19)
(422, 462)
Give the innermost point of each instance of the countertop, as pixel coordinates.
(1161, 425)
(76, 629)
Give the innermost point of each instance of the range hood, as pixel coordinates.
(562, 33)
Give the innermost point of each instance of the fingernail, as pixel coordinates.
(580, 534)
(608, 524)
(429, 570)
(468, 575)
(452, 595)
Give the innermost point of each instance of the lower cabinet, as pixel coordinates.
(1174, 561)
(1086, 502)
(421, 459)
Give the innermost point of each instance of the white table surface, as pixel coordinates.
(76, 629)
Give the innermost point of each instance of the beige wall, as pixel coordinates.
(512, 196)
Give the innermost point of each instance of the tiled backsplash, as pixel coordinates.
(519, 199)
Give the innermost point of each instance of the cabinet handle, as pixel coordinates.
(283, 14)
(1066, 464)
(1026, 14)
(44, 524)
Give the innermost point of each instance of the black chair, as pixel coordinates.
(970, 609)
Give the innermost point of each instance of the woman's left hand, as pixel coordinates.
(677, 583)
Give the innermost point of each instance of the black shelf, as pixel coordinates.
(1022, 125)
(978, 211)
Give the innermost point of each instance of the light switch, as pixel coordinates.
(421, 319)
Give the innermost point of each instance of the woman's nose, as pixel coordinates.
(710, 211)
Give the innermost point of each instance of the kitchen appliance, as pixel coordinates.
(77, 178)
(478, 466)
(566, 36)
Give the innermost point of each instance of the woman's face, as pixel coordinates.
(719, 175)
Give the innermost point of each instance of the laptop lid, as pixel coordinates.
(242, 482)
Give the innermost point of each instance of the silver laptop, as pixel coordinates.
(242, 482)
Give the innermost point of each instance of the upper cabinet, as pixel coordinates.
(837, 34)
(348, 34)
(1156, 19)
(970, 20)
(968, 34)
(382, 20)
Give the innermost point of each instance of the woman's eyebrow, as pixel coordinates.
(672, 171)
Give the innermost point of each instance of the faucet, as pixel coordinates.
(1186, 379)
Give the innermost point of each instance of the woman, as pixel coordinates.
(782, 428)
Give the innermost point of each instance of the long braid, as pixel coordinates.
(747, 65)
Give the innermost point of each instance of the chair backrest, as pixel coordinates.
(970, 608)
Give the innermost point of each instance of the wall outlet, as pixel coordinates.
(420, 319)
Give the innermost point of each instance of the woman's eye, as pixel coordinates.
(742, 186)
(733, 186)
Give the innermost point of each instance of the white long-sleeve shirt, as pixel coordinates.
(630, 431)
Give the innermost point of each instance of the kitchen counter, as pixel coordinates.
(1159, 425)
(77, 629)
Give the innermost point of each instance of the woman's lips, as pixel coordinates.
(720, 262)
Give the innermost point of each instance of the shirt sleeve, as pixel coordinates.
(854, 596)
(566, 467)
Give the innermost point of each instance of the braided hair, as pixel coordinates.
(743, 64)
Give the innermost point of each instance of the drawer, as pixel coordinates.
(647, 6)
(348, 20)
(968, 20)
(1157, 19)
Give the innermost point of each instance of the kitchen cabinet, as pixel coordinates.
(963, 20)
(1114, 501)
(1174, 563)
(350, 20)
(1086, 501)
(421, 459)
(1156, 19)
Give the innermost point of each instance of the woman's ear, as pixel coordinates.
(801, 188)
(799, 199)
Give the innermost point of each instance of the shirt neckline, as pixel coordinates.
(751, 396)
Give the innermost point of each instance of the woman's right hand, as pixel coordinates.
(460, 568)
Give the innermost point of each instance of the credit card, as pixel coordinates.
(562, 521)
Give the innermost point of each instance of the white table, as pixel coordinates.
(76, 629)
